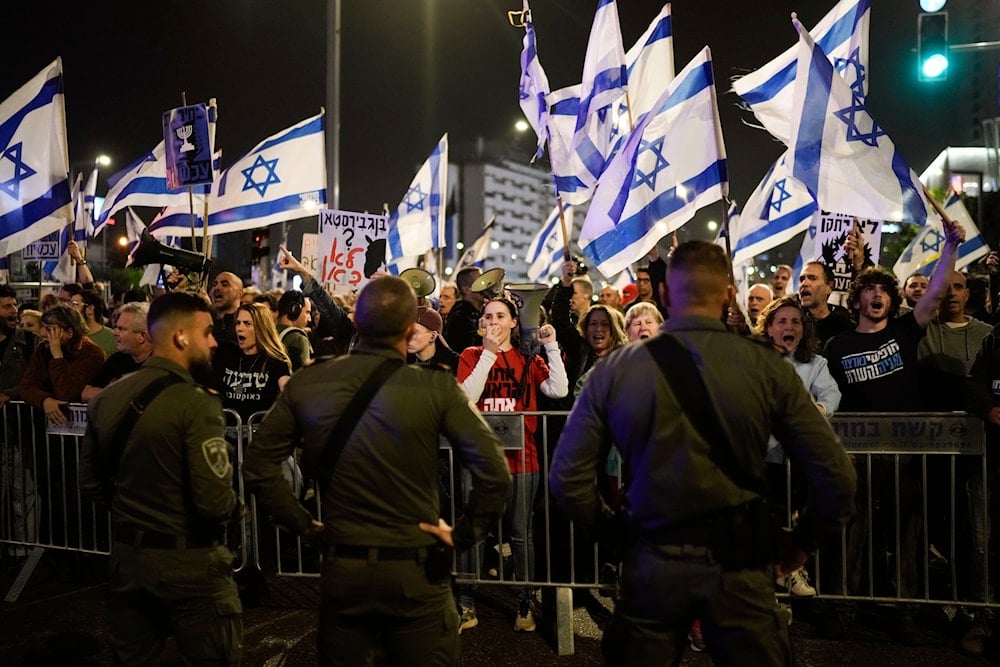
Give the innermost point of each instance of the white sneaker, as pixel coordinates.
(525, 620)
(797, 583)
(468, 618)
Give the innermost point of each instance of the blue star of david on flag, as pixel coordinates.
(415, 198)
(260, 186)
(932, 241)
(12, 186)
(779, 195)
(849, 115)
(659, 163)
(857, 81)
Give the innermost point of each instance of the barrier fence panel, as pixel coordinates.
(920, 534)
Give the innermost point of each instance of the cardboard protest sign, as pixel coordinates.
(351, 247)
(832, 232)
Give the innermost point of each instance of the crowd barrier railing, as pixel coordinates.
(920, 534)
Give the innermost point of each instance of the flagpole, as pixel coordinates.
(725, 234)
(194, 235)
(206, 244)
(937, 207)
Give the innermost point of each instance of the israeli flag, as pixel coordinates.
(779, 209)
(143, 183)
(282, 178)
(417, 224)
(64, 270)
(841, 154)
(575, 169)
(807, 253)
(650, 65)
(534, 84)
(842, 35)
(546, 252)
(604, 70)
(924, 251)
(672, 164)
(35, 197)
(478, 250)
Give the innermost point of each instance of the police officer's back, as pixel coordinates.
(697, 531)
(376, 583)
(169, 482)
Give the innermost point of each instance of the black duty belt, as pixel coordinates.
(141, 538)
(376, 553)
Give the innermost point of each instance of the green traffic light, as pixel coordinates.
(934, 66)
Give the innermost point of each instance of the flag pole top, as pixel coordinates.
(519, 18)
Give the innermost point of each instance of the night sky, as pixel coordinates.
(413, 69)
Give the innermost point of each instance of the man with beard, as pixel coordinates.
(16, 346)
(876, 367)
(154, 449)
(815, 287)
(914, 287)
(226, 295)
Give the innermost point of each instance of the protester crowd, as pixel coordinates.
(928, 344)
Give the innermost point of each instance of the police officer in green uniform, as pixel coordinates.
(169, 479)
(384, 573)
(697, 543)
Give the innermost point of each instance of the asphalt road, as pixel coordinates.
(59, 619)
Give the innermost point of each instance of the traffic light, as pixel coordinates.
(932, 46)
(261, 245)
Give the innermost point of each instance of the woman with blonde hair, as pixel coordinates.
(253, 372)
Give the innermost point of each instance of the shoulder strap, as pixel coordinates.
(137, 406)
(352, 413)
(682, 375)
(288, 330)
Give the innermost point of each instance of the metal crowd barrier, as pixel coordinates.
(920, 535)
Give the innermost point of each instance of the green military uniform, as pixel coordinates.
(374, 581)
(170, 570)
(694, 557)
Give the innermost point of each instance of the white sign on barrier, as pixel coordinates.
(76, 422)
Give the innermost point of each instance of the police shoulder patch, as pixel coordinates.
(216, 452)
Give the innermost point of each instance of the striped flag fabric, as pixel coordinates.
(534, 84)
(604, 70)
(672, 164)
(417, 224)
(35, 197)
(477, 251)
(924, 251)
(546, 251)
(841, 153)
(842, 35)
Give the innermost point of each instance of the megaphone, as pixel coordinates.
(489, 284)
(528, 298)
(151, 251)
(421, 281)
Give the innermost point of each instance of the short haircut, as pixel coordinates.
(914, 275)
(465, 278)
(73, 289)
(266, 299)
(828, 276)
(385, 309)
(141, 311)
(92, 298)
(292, 300)
(783, 267)
(175, 304)
(7, 292)
(763, 286)
(66, 317)
(586, 283)
(875, 275)
(699, 269)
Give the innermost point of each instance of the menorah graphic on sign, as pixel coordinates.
(184, 133)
